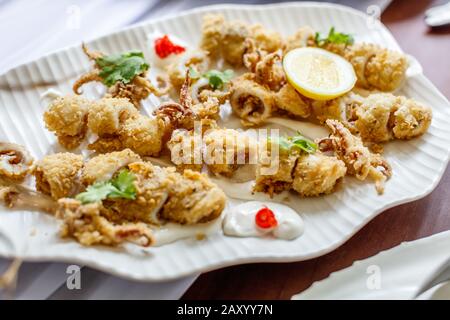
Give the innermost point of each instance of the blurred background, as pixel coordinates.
(35, 27)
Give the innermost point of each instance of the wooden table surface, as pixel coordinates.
(403, 223)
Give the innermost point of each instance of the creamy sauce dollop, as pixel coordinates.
(240, 221)
(171, 232)
(156, 60)
(49, 95)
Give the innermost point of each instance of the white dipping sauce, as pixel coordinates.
(156, 60)
(240, 221)
(171, 232)
(50, 95)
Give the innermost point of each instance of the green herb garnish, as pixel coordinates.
(121, 67)
(215, 78)
(194, 74)
(334, 37)
(121, 186)
(124, 184)
(295, 143)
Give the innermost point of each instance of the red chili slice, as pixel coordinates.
(265, 218)
(164, 47)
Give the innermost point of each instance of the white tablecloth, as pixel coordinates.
(32, 28)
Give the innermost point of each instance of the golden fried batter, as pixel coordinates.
(308, 174)
(317, 174)
(143, 135)
(222, 150)
(304, 37)
(57, 174)
(382, 116)
(213, 26)
(278, 181)
(267, 40)
(103, 167)
(67, 118)
(226, 150)
(193, 198)
(289, 100)
(411, 119)
(377, 67)
(164, 194)
(108, 114)
(226, 39)
(88, 226)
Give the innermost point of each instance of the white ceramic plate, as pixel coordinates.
(329, 221)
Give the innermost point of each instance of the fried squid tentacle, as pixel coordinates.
(87, 224)
(360, 161)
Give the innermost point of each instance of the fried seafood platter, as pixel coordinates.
(166, 152)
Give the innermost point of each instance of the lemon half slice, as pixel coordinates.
(318, 74)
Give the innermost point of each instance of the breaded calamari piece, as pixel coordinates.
(67, 118)
(309, 175)
(57, 174)
(87, 224)
(292, 102)
(275, 175)
(193, 198)
(107, 115)
(222, 38)
(317, 174)
(382, 117)
(143, 135)
(15, 161)
(103, 167)
(376, 67)
(250, 101)
(304, 37)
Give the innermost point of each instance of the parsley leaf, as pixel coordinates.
(124, 183)
(334, 37)
(121, 186)
(218, 78)
(215, 78)
(304, 144)
(121, 67)
(96, 192)
(295, 143)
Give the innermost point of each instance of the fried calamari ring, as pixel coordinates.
(57, 174)
(15, 161)
(250, 101)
